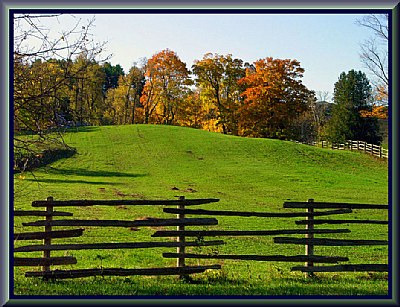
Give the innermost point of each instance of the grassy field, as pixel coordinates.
(163, 162)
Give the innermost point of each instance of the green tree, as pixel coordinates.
(112, 74)
(352, 97)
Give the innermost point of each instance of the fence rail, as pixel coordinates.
(48, 246)
(85, 203)
(49, 234)
(372, 149)
(126, 245)
(119, 223)
(182, 233)
(329, 205)
(310, 241)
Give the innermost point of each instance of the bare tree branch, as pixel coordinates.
(37, 100)
(374, 51)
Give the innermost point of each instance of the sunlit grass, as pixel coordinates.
(162, 162)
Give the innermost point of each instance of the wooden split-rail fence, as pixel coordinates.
(372, 149)
(182, 234)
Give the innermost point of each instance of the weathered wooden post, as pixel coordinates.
(309, 246)
(180, 262)
(47, 229)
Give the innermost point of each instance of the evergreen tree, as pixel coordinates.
(112, 76)
(352, 96)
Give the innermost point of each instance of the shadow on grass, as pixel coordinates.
(89, 173)
(82, 129)
(31, 161)
(72, 181)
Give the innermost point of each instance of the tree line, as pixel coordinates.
(264, 99)
(219, 93)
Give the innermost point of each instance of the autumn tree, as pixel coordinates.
(42, 73)
(352, 97)
(217, 77)
(166, 82)
(274, 98)
(123, 100)
(191, 111)
(86, 94)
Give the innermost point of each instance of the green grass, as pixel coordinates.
(162, 162)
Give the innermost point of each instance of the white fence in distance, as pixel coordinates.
(375, 150)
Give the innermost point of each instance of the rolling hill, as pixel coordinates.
(162, 162)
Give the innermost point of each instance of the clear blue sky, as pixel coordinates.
(325, 45)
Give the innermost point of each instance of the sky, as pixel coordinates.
(325, 44)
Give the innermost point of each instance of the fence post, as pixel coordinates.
(180, 262)
(48, 228)
(309, 248)
(380, 151)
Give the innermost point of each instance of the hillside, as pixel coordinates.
(162, 162)
(146, 161)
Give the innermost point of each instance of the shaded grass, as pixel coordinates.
(162, 162)
(227, 286)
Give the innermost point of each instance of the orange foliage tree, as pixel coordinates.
(191, 112)
(377, 111)
(273, 99)
(166, 83)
